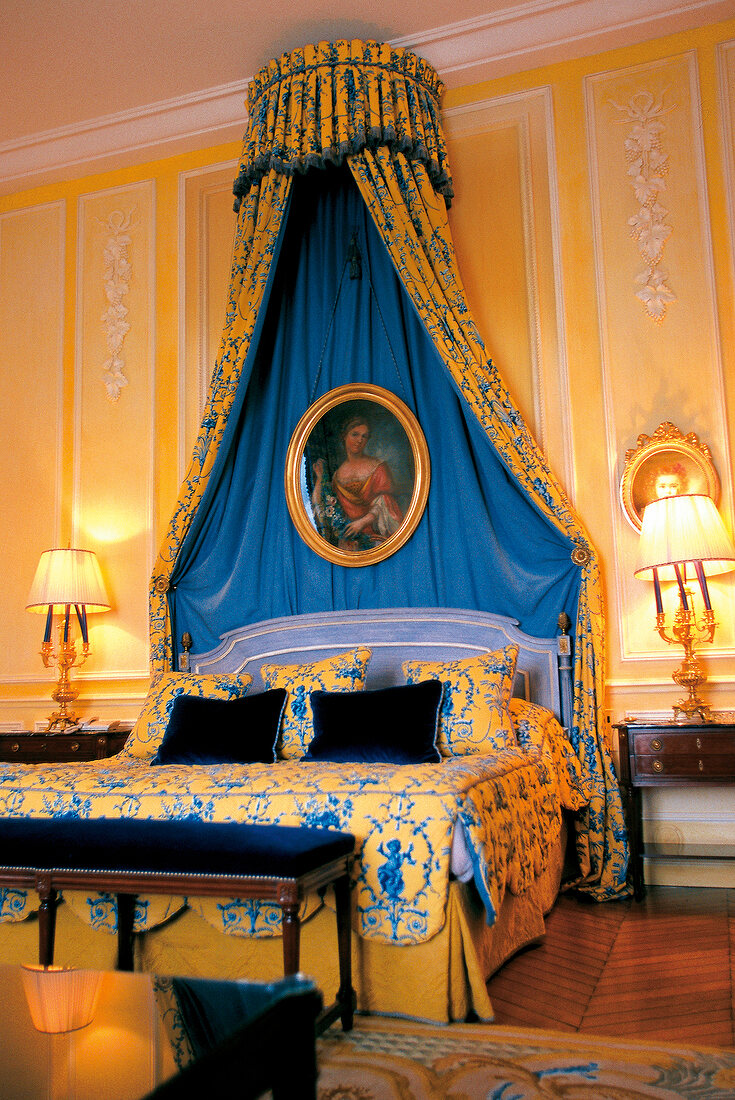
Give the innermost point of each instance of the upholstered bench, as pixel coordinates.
(274, 863)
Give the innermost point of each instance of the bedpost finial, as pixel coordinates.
(186, 644)
(564, 622)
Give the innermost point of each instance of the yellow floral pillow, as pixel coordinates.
(343, 672)
(474, 715)
(147, 733)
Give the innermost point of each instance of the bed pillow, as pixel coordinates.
(223, 731)
(343, 672)
(395, 725)
(147, 733)
(474, 714)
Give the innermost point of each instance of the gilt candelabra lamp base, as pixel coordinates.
(690, 674)
(60, 721)
(64, 694)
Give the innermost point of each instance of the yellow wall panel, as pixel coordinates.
(208, 222)
(726, 112)
(488, 178)
(113, 488)
(31, 419)
(503, 221)
(658, 318)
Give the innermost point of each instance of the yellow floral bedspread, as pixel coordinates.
(402, 816)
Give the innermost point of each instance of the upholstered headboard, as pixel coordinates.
(543, 672)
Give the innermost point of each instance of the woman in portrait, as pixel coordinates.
(669, 481)
(358, 504)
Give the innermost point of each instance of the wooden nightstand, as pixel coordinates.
(669, 754)
(62, 748)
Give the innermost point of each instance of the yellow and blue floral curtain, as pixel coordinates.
(376, 108)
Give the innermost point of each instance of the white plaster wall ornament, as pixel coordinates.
(648, 166)
(117, 272)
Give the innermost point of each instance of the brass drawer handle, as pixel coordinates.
(74, 746)
(699, 742)
(701, 766)
(15, 747)
(657, 766)
(657, 744)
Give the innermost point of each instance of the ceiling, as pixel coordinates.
(85, 80)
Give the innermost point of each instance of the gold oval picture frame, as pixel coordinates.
(667, 463)
(357, 475)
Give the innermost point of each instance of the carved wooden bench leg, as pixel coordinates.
(46, 920)
(291, 930)
(125, 918)
(346, 994)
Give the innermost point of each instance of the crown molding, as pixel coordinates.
(171, 126)
(512, 39)
(541, 32)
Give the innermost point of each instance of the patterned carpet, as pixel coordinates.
(398, 1060)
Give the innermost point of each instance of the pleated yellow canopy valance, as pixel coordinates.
(320, 103)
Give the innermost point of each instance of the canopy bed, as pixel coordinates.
(459, 852)
(366, 514)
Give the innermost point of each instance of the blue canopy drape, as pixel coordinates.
(481, 543)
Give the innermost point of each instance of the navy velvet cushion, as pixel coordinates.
(395, 725)
(223, 731)
(183, 846)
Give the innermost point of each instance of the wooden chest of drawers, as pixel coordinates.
(62, 748)
(669, 754)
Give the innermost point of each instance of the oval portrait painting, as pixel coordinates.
(357, 475)
(666, 464)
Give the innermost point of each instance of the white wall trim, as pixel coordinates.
(618, 683)
(711, 817)
(515, 38)
(532, 34)
(100, 697)
(203, 368)
(725, 54)
(192, 121)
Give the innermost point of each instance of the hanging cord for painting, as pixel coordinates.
(353, 258)
(348, 260)
(387, 337)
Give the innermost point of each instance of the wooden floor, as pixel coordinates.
(660, 969)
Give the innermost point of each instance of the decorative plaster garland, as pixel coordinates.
(648, 166)
(116, 274)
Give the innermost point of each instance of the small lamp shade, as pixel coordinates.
(65, 577)
(60, 998)
(679, 529)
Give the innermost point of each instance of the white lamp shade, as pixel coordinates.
(60, 998)
(68, 577)
(685, 528)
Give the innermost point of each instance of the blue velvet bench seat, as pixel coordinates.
(274, 863)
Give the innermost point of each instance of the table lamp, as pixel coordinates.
(60, 998)
(68, 584)
(683, 539)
